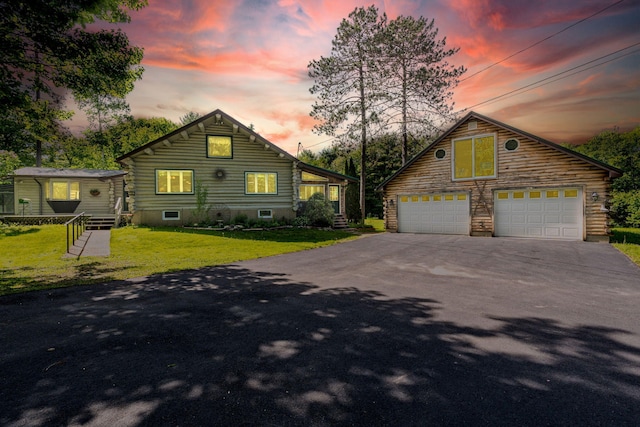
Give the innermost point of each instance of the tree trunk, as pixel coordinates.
(405, 137)
(363, 145)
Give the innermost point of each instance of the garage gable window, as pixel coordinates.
(474, 157)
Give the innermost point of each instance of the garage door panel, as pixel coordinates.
(547, 213)
(434, 213)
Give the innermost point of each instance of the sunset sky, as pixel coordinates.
(249, 58)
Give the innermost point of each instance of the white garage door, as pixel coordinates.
(544, 213)
(440, 213)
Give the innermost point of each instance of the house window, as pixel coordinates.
(265, 214)
(306, 176)
(474, 157)
(63, 190)
(261, 183)
(306, 191)
(174, 181)
(171, 215)
(219, 146)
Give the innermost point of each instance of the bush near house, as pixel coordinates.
(625, 208)
(318, 211)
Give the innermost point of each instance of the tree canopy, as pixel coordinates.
(49, 52)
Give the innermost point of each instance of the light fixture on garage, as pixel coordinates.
(594, 196)
(390, 202)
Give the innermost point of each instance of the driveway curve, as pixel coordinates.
(389, 329)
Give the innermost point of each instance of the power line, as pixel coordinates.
(537, 83)
(541, 41)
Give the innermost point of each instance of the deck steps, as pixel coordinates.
(339, 221)
(101, 222)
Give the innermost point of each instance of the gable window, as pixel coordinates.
(174, 181)
(306, 191)
(261, 182)
(474, 157)
(219, 146)
(63, 190)
(306, 176)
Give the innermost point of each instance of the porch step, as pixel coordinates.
(102, 222)
(339, 221)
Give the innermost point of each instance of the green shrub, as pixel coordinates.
(625, 208)
(301, 221)
(319, 211)
(240, 219)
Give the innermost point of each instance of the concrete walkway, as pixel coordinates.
(92, 243)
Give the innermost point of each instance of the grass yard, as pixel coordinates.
(627, 241)
(377, 224)
(33, 257)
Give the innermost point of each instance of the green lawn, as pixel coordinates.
(377, 224)
(32, 257)
(627, 241)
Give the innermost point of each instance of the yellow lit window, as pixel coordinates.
(261, 183)
(404, 199)
(534, 194)
(463, 158)
(306, 176)
(518, 194)
(63, 190)
(484, 156)
(474, 157)
(174, 181)
(414, 198)
(503, 195)
(437, 198)
(334, 193)
(425, 198)
(571, 193)
(552, 194)
(306, 191)
(462, 197)
(448, 197)
(219, 146)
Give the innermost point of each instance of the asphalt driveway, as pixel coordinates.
(390, 329)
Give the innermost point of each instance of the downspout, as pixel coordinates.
(40, 196)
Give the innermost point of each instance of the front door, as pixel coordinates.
(334, 197)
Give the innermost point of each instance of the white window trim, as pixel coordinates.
(65, 181)
(181, 183)
(473, 157)
(270, 193)
(165, 218)
(262, 211)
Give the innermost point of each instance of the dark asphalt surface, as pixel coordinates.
(390, 329)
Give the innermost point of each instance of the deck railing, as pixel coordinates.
(75, 228)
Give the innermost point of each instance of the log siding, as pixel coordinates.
(224, 178)
(531, 165)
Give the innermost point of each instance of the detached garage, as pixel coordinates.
(551, 213)
(485, 178)
(435, 213)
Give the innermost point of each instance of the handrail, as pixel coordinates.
(77, 224)
(118, 211)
